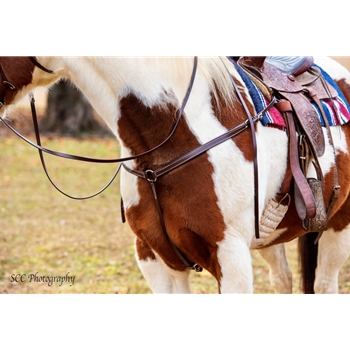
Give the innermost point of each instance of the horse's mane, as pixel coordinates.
(212, 69)
(217, 75)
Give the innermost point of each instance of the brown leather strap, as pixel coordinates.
(287, 181)
(189, 265)
(153, 175)
(304, 199)
(36, 63)
(336, 188)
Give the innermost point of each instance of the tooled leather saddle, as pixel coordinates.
(295, 89)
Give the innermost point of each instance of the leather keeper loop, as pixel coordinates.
(284, 106)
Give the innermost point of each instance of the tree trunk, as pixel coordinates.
(69, 112)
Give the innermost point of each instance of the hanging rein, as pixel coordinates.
(151, 175)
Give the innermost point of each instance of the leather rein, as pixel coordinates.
(42, 149)
(152, 175)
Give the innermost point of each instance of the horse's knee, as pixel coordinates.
(326, 285)
(159, 277)
(280, 275)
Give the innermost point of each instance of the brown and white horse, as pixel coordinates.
(206, 203)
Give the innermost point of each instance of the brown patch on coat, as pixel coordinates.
(143, 250)
(18, 71)
(345, 88)
(186, 195)
(231, 116)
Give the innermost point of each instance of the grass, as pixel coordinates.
(46, 233)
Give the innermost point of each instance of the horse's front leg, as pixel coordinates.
(236, 273)
(159, 277)
(279, 272)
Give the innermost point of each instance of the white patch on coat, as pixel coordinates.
(162, 279)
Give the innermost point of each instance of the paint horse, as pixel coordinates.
(200, 213)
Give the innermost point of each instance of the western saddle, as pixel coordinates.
(295, 88)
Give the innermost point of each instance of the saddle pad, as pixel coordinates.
(273, 117)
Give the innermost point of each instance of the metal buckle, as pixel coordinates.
(259, 116)
(10, 85)
(150, 176)
(197, 268)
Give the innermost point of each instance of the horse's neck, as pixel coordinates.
(104, 81)
(138, 97)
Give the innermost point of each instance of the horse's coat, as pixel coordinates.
(208, 202)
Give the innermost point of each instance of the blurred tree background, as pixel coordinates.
(68, 112)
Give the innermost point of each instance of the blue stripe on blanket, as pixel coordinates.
(340, 103)
(333, 83)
